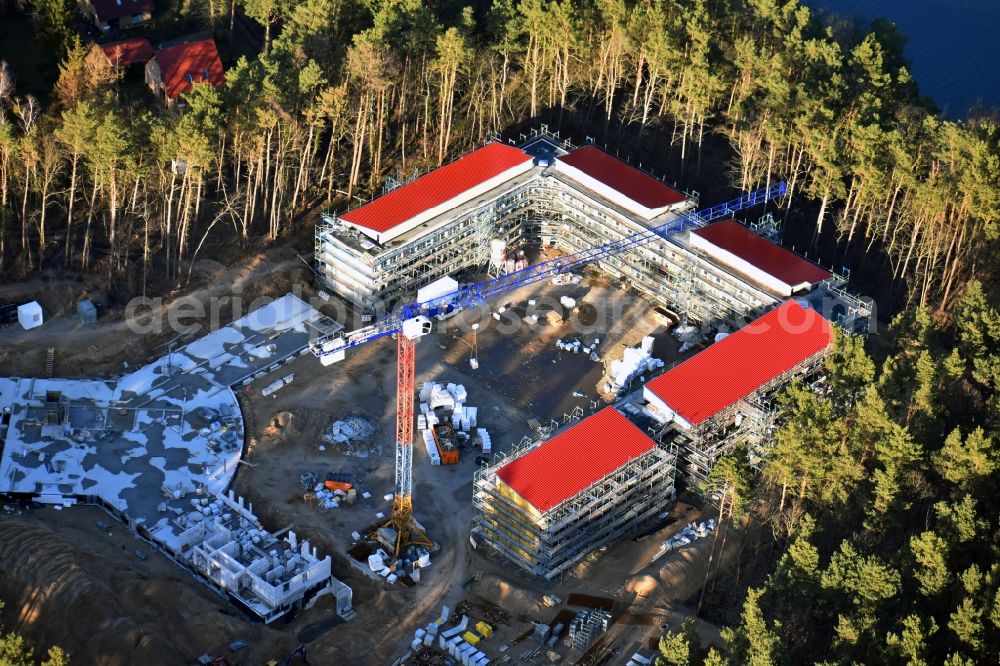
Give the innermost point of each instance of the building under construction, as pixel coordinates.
(550, 502)
(722, 396)
(546, 505)
(478, 210)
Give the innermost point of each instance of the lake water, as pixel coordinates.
(954, 46)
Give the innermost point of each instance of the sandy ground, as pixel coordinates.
(66, 581)
(521, 376)
(102, 349)
(132, 605)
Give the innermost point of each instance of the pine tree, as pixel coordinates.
(964, 463)
(930, 553)
(55, 22)
(859, 585)
(910, 644)
(752, 642)
(674, 650)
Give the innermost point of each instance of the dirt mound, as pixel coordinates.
(284, 427)
(60, 591)
(279, 424)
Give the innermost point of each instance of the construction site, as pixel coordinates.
(503, 458)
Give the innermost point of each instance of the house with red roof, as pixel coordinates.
(621, 184)
(439, 214)
(111, 15)
(546, 507)
(775, 268)
(433, 225)
(127, 52)
(174, 70)
(490, 208)
(445, 188)
(711, 395)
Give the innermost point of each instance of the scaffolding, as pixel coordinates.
(852, 312)
(767, 227)
(587, 625)
(541, 208)
(749, 421)
(354, 266)
(548, 543)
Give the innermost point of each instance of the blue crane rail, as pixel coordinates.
(475, 294)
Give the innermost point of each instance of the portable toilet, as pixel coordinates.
(87, 311)
(29, 315)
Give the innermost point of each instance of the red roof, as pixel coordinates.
(183, 64)
(633, 183)
(435, 188)
(756, 250)
(575, 459)
(109, 10)
(739, 364)
(128, 52)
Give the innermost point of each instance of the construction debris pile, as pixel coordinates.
(576, 346)
(446, 423)
(691, 532)
(688, 336)
(337, 488)
(636, 363)
(380, 563)
(461, 642)
(348, 434)
(567, 278)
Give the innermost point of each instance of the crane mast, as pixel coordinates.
(401, 518)
(411, 322)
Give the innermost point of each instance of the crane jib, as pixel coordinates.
(475, 294)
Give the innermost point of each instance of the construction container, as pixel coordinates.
(484, 629)
(465, 652)
(447, 444)
(29, 315)
(337, 485)
(471, 637)
(87, 311)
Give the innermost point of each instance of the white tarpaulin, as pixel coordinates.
(437, 289)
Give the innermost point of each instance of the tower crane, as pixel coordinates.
(412, 321)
